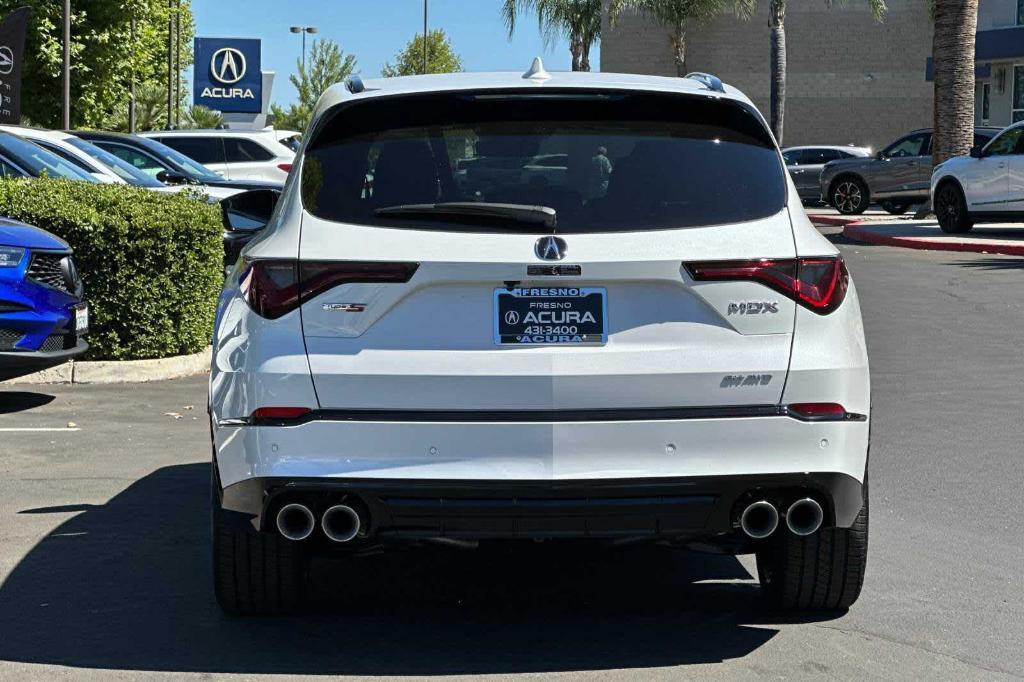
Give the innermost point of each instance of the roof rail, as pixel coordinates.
(710, 81)
(354, 84)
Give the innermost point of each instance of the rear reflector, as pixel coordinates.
(817, 412)
(286, 167)
(273, 288)
(279, 413)
(818, 284)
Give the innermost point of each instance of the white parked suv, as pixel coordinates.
(235, 154)
(987, 185)
(572, 356)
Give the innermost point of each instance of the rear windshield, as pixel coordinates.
(603, 161)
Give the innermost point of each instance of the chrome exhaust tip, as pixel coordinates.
(341, 523)
(805, 516)
(295, 521)
(759, 519)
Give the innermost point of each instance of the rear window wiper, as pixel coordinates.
(524, 214)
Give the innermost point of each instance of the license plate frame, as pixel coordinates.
(81, 318)
(581, 300)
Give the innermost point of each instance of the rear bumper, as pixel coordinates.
(681, 508)
(20, 363)
(680, 477)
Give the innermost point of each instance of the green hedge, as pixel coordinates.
(152, 262)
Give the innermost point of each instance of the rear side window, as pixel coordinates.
(202, 149)
(603, 161)
(241, 150)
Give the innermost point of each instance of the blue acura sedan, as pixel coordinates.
(43, 318)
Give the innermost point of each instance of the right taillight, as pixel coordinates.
(273, 288)
(817, 283)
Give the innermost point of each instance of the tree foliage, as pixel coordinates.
(198, 116)
(441, 56)
(577, 20)
(104, 55)
(327, 65)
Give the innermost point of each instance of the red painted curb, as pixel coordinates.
(839, 220)
(856, 231)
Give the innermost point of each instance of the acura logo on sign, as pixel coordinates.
(227, 65)
(6, 60)
(550, 248)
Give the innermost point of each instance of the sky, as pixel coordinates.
(375, 31)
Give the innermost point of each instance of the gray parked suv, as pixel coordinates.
(805, 164)
(897, 177)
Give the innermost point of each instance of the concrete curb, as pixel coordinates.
(120, 372)
(860, 230)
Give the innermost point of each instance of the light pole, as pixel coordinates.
(424, 37)
(303, 30)
(66, 67)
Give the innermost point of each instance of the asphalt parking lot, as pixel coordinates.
(104, 539)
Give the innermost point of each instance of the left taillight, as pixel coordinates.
(817, 283)
(286, 167)
(273, 288)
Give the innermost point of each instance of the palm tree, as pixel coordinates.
(198, 116)
(677, 15)
(777, 22)
(956, 22)
(578, 20)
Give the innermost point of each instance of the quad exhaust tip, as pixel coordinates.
(804, 517)
(759, 519)
(295, 521)
(341, 523)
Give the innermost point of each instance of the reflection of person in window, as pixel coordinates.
(602, 171)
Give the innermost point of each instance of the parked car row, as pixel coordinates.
(43, 316)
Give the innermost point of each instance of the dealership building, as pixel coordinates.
(850, 79)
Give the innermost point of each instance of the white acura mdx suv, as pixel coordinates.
(654, 343)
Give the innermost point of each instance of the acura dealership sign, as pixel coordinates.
(227, 75)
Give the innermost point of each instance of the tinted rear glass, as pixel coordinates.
(604, 162)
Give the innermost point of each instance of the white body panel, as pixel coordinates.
(671, 343)
(991, 184)
(215, 152)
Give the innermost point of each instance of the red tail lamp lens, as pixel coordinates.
(276, 287)
(280, 412)
(818, 284)
(286, 167)
(817, 411)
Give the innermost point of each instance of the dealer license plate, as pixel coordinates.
(550, 316)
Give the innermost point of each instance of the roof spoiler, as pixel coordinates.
(709, 81)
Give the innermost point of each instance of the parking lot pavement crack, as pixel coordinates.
(921, 647)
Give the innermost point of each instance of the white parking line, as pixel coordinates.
(40, 429)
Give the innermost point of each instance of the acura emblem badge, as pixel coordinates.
(550, 248)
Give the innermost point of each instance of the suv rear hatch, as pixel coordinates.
(443, 267)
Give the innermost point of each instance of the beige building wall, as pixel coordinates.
(850, 79)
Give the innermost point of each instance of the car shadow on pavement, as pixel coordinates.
(1005, 263)
(20, 401)
(126, 585)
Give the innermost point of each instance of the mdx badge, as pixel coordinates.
(550, 248)
(753, 308)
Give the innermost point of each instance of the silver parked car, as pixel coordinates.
(806, 163)
(897, 177)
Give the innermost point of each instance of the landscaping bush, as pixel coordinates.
(151, 262)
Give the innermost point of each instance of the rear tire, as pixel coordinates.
(895, 207)
(849, 195)
(951, 209)
(824, 571)
(253, 572)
